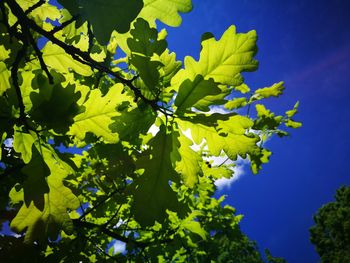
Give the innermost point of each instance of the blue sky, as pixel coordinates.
(306, 43)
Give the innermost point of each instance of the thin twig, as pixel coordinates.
(14, 70)
(63, 25)
(88, 211)
(38, 53)
(117, 236)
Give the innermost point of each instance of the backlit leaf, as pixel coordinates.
(98, 114)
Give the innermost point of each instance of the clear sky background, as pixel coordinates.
(306, 43)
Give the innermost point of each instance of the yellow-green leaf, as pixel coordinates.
(293, 124)
(98, 114)
(274, 91)
(223, 60)
(185, 160)
(45, 220)
(236, 103)
(167, 11)
(22, 143)
(4, 78)
(55, 57)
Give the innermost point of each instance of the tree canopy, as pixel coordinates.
(331, 232)
(107, 138)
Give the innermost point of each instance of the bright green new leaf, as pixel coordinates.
(205, 128)
(293, 124)
(185, 160)
(236, 103)
(243, 88)
(235, 124)
(262, 111)
(43, 12)
(291, 113)
(195, 227)
(274, 91)
(167, 11)
(4, 53)
(223, 60)
(170, 66)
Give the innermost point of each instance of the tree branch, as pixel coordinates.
(108, 232)
(88, 211)
(63, 25)
(77, 54)
(14, 70)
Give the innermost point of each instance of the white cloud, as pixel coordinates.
(8, 143)
(223, 183)
(119, 247)
(238, 171)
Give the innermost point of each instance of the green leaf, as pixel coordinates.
(185, 160)
(222, 60)
(235, 124)
(22, 143)
(152, 192)
(45, 215)
(98, 114)
(195, 227)
(4, 78)
(267, 119)
(35, 186)
(60, 101)
(130, 124)
(4, 53)
(55, 57)
(105, 16)
(167, 11)
(236, 103)
(293, 124)
(170, 66)
(243, 88)
(192, 92)
(274, 91)
(259, 158)
(144, 45)
(144, 40)
(232, 143)
(294, 111)
(43, 12)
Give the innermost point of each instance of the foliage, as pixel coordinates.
(82, 87)
(331, 234)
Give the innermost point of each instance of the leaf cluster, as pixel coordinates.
(144, 126)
